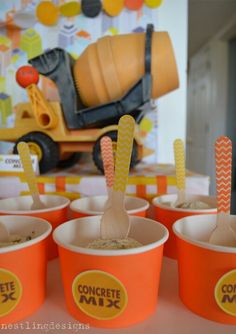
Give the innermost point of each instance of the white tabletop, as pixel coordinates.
(171, 316)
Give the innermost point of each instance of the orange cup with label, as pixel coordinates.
(110, 288)
(94, 205)
(207, 272)
(167, 214)
(56, 212)
(23, 266)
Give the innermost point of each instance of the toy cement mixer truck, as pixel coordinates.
(117, 75)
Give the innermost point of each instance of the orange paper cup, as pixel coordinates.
(56, 212)
(207, 273)
(94, 205)
(110, 288)
(23, 268)
(168, 215)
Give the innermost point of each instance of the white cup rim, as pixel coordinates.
(144, 207)
(28, 243)
(201, 244)
(65, 203)
(106, 252)
(172, 197)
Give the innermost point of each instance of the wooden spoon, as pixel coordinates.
(115, 222)
(108, 165)
(180, 171)
(223, 234)
(4, 233)
(24, 152)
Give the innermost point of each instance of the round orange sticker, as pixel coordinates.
(113, 8)
(47, 13)
(99, 295)
(10, 291)
(225, 292)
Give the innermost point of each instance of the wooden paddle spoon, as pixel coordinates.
(108, 166)
(4, 234)
(115, 222)
(223, 234)
(23, 150)
(180, 171)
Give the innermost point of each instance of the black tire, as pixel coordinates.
(69, 162)
(97, 157)
(49, 150)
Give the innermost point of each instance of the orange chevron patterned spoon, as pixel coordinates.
(115, 222)
(223, 234)
(108, 166)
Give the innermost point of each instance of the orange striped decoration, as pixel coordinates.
(108, 160)
(60, 182)
(41, 187)
(141, 191)
(161, 184)
(223, 158)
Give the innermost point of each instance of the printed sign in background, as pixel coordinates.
(10, 164)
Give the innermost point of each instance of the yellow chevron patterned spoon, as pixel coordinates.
(179, 170)
(115, 222)
(223, 234)
(23, 150)
(108, 166)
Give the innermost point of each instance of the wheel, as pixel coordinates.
(44, 147)
(97, 156)
(70, 161)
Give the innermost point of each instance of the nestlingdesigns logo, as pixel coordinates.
(10, 292)
(225, 292)
(99, 294)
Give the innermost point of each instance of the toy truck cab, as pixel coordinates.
(59, 146)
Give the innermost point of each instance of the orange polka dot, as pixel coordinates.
(47, 13)
(113, 8)
(133, 4)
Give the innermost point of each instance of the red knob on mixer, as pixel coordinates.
(27, 75)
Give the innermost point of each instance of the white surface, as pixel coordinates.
(173, 17)
(171, 316)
